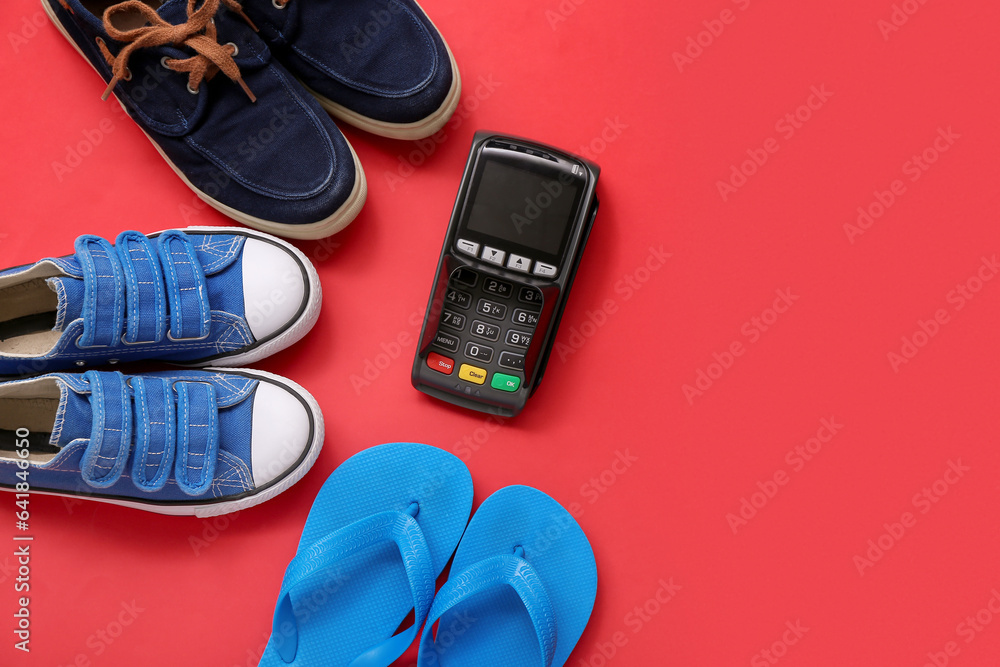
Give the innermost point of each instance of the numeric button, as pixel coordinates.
(459, 299)
(497, 311)
(465, 276)
(479, 352)
(518, 338)
(499, 287)
(485, 330)
(529, 295)
(525, 317)
(453, 320)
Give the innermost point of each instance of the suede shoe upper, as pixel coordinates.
(204, 87)
(383, 59)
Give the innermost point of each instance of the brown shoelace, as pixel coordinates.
(198, 33)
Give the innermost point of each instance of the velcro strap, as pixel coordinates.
(144, 291)
(187, 291)
(197, 437)
(111, 433)
(154, 432)
(497, 571)
(103, 292)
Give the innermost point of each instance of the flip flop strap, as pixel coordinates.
(363, 534)
(503, 570)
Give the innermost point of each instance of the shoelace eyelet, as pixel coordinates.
(236, 49)
(278, 4)
(163, 62)
(193, 91)
(128, 75)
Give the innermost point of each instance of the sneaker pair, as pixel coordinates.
(232, 94)
(201, 442)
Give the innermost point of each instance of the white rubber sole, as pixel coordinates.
(420, 129)
(226, 507)
(291, 335)
(342, 217)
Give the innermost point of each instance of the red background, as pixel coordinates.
(562, 72)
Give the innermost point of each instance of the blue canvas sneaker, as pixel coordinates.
(380, 65)
(232, 123)
(206, 295)
(181, 442)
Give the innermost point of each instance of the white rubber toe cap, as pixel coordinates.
(274, 287)
(280, 432)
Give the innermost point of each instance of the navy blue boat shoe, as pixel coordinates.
(229, 119)
(380, 65)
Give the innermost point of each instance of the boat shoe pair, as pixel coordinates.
(234, 94)
(184, 441)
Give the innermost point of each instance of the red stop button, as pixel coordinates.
(440, 363)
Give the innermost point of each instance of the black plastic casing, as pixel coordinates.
(555, 291)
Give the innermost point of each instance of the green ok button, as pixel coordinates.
(505, 382)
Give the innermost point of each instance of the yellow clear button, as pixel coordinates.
(471, 373)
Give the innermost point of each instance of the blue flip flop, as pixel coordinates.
(521, 587)
(378, 535)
